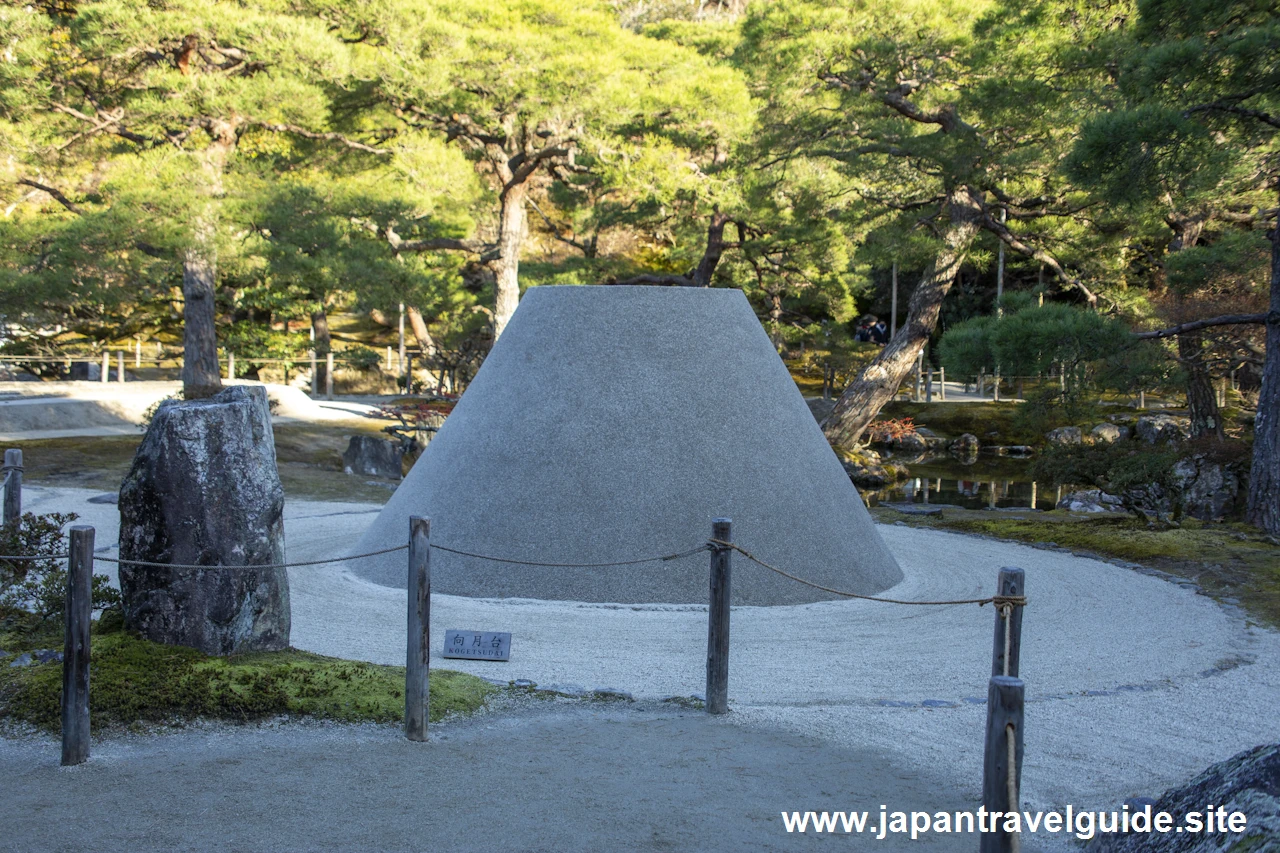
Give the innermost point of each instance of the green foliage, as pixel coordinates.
(361, 358)
(1135, 155)
(1235, 260)
(1114, 468)
(1090, 350)
(33, 592)
(966, 350)
(136, 681)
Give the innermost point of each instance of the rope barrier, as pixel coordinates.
(404, 547)
(1006, 603)
(1006, 611)
(998, 600)
(663, 559)
(117, 561)
(1011, 741)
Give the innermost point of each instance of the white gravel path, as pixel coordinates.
(1134, 683)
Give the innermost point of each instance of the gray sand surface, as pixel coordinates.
(1126, 673)
(595, 777)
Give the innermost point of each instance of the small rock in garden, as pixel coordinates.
(35, 657)
(612, 694)
(108, 498)
(1109, 433)
(571, 690)
(1210, 490)
(1090, 500)
(370, 456)
(1064, 435)
(965, 447)
(1162, 428)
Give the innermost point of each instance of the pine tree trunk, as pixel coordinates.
(775, 320)
(507, 266)
(419, 326)
(879, 380)
(201, 376)
(1202, 401)
(1264, 476)
(324, 345)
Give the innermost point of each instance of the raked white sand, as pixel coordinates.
(1133, 683)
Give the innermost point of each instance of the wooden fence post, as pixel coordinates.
(942, 382)
(75, 651)
(1005, 697)
(1011, 582)
(120, 365)
(718, 619)
(12, 487)
(328, 375)
(417, 690)
(231, 365)
(408, 374)
(105, 374)
(315, 374)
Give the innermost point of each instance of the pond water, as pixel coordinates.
(986, 483)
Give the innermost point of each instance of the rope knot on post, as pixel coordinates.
(719, 546)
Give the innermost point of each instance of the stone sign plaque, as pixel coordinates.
(477, 645)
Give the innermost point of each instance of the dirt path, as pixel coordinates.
(542, 777)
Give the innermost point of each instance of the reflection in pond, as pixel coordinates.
(985, 484)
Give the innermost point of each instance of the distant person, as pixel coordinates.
(863, 334)
(880, 333)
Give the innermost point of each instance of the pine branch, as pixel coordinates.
(55, 194)
(1196, 325)
(311, 134)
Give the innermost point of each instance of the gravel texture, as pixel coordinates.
(550, 777)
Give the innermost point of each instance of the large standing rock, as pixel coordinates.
(204, 491)
(1248, 783)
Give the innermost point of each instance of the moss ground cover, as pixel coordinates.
(135, 681)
